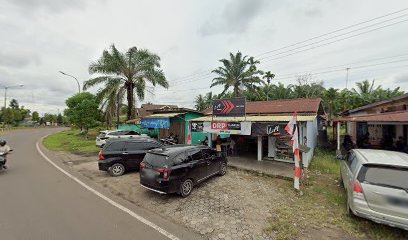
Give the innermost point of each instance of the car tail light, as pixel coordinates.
(142, 165)
(101, 157)
(357, 187)
(165, 172)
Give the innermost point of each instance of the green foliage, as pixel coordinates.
(237, 72)
(72, 141)
(35, 116)
(124, 73)
(14, 104)
(83, 110)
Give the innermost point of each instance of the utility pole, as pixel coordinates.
(347, 76)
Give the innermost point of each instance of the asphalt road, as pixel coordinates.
(37, 201)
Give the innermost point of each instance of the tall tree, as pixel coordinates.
(131, 70)
(199, 102)
(330, 97)
(14, 104)
(237, 72)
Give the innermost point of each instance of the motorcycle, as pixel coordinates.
(3, 159)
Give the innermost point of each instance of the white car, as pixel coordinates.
(118, 134)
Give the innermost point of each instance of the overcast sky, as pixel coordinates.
(41, 37)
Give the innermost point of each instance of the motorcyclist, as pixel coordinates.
(5, 149)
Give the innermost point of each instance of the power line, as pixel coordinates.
(341, 39)
(207, 72)
(329, 33)
(336, 36)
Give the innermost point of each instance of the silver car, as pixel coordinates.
(376, 182)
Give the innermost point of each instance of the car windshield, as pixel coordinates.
(386, 176)
(102, 134)
(157, 160)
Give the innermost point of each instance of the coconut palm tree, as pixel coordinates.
(330, 97)
(200, 102)
(237, 72)
(268, 76)
(132, 69)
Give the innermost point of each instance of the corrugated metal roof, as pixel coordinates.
(401, 116)
(254, 119)
(164, 115)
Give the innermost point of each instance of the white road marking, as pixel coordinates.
(121, 207)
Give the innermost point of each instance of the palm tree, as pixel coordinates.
(237, 72)
(330, 97)
(132, 69)
(268, 76)
(200, 103)
(111, 98)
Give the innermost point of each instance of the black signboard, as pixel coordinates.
(270, 129)
(197, 126)
(234, 107)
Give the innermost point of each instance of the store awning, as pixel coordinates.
(254, 119)
(164, 115)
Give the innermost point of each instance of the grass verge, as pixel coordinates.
(72, 141)
(321, 210)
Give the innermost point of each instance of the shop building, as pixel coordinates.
(260, 133)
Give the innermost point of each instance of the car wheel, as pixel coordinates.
(186, 187)
(223, 169)
(116, 170)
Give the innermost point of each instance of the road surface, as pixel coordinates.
(37, 201)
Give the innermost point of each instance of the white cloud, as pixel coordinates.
(41, 37)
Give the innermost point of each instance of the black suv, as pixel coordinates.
(123, 155)
(176, 169)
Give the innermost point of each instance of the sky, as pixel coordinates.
(39, 38)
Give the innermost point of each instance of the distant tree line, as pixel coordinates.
(246, 80)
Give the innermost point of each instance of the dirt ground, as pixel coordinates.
(235, 206)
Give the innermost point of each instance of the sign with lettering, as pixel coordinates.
(239, 128)
(234, 107)
(156, 123)
(274, 129)
(197, 126)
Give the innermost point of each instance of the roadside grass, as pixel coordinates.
(322, 207)
(72, 141)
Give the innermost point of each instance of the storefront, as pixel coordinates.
(263, 135)
(172, 122)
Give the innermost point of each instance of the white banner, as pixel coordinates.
(238, 128)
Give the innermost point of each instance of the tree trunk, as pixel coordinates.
(129, 90)
(236, 90)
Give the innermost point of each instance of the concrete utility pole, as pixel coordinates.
(5, 92)
(79, 85)
(347, 76)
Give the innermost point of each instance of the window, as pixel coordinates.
(132, 133)
(182, 157)
(350, 159)
(156, 160)
(116, 146)
(384, 176)
(196, 155)
(133, 146)
(148, 145)
(207, 153)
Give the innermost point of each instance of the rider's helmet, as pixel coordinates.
(2, 142)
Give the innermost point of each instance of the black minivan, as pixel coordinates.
(122, 155)
(176, 169)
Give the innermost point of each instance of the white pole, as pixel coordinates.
(338, 137)
(259, 148)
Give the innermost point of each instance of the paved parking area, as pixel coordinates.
(235, 206)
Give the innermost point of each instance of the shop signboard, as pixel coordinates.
(234, 107)
(156, 123)
(197, 126)
(275, 130)
(238, 128)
